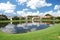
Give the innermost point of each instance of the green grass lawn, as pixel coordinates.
(50, 33)
(27, 20)
(12, 20)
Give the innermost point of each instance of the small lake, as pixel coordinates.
(22, 27)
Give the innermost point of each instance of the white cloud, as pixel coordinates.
(9, 11)
(37, 3)
(37, 13)
(53, 13)
(49, 12)
(26, 13)
(20, 12)
(23, 13)
(25, 9)
(21, 1)
(57, 7)
(58, 13)
(33, 13)
(7, 6)
(34, 3)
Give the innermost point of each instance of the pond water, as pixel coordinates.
(22, 27)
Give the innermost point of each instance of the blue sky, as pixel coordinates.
(29, 7)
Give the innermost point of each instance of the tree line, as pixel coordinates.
(4, 17)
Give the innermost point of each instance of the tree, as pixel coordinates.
(15, 18)
(48, 15)
(3, 17)
(51, 17)
(58, 18)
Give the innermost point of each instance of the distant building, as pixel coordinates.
(9, 17)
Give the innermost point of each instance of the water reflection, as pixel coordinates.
(23, 28)
(3, 24)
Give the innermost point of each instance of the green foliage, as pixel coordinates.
(3, 17)
(15, 18)
(22, 18)
(58, 18)
(48, 15)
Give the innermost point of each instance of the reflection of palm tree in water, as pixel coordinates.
(33, 20)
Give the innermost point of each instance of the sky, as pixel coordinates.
(30, 7)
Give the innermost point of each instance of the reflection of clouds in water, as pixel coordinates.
(22, 28)
(33, 29)
(10, 28)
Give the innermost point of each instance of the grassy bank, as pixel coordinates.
(12, 20)
(29, 20)
(51, 33)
